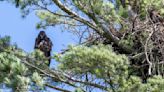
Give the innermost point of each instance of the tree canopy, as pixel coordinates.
(120, 47)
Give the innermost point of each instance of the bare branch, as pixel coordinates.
(146, 53)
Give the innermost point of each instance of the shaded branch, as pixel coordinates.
(57, 88)
(88, 83)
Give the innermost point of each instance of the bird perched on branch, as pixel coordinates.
(44, 44)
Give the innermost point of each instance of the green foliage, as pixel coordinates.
(92, 59)
(39, 58)
(99, 61)
(128, 41)
(38, 79)
(103, 63)
(122, 12)
(13, 72)
(134, 84)
(78, 90)
(89, 5)
(4, 42)
(47, 18)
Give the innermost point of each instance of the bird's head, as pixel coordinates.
(42, 35)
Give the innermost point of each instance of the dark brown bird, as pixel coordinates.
(44, 44)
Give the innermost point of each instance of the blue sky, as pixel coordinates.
(23, 31)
